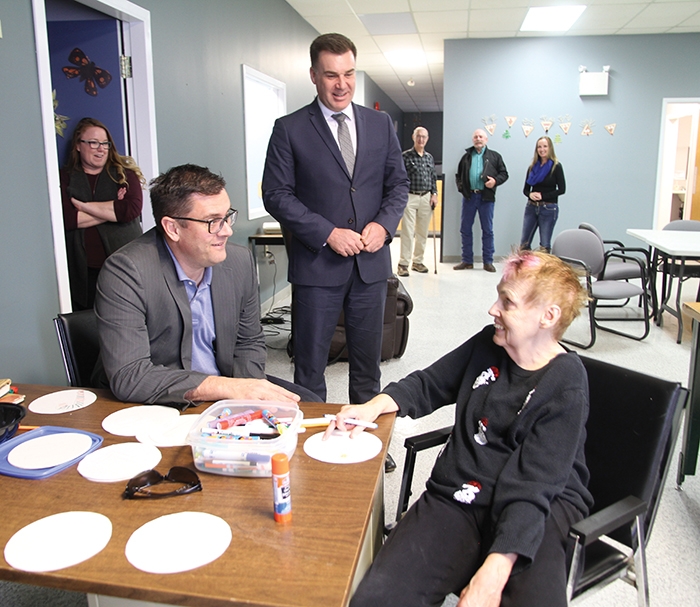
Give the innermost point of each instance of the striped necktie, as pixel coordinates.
(345, 142)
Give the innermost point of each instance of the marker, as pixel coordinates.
(238, 420)
(273, 421)
(354, 422)
(315, 422)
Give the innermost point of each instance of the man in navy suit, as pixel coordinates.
(339, 186)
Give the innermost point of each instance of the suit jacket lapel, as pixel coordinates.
(179, 293)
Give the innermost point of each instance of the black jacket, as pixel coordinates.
(493, 167)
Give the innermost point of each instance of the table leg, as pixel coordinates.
(688, 459)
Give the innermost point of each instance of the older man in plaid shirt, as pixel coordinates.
(422, 199)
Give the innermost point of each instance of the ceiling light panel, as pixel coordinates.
(551, 18)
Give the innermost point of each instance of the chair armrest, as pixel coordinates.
(608, 519)
(626, 250)
(402, 295)
(419, 442)
(631, 258)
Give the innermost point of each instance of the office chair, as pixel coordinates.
(80, 347)
(583, 250)
(633, 423)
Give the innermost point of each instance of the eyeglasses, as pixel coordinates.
(215, 225)
(97, 144)
(137, 487)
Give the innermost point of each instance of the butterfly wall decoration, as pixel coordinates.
(88, 72)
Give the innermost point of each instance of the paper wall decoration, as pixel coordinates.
(565, 123)
(506, 134)
(557, 138)
(490, 124)
(587, 127)
(510, 120)
(546, 123)
(528, 126)
(610, 128)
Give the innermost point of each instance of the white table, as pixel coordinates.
(677, 247)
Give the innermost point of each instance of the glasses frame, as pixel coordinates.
(230, 218)
(95, 145)
(137, 487)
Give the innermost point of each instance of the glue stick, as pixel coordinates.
(281, 491)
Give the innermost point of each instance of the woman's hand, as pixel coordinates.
(535, 196)
(486, 587)
(371, 410)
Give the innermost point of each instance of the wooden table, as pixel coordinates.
(688, 459)
(316, 561)
(676, 247)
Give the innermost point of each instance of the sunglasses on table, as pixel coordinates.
(138, 487)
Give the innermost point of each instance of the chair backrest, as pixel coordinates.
(632, 426)
(582, 245)
(80, 346)
(683, 225)
(590, 228)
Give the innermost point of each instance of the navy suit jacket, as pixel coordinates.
(307, 188)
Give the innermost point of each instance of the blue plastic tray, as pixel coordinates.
(8, 469)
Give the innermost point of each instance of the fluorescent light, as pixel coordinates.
(406, 58)
(551, 18)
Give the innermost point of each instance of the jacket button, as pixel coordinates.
(352, 189)
(350, 221)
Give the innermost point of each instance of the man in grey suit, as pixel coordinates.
(177, 309)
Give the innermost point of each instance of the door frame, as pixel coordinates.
(661, 217)
(136, 23)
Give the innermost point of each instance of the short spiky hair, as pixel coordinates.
(171, 191)
(333, 43)
(550, 280)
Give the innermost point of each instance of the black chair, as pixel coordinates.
(583, 250)
(632, 427)
(80, 346)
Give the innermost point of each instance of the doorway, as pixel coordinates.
(141, 132)
(677, 195)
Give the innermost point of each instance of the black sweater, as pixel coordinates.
(518, 439)
(551, 187)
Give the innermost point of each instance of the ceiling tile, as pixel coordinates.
(665, 14)
(385, 6)
(442, 21)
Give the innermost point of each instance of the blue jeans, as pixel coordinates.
(543, 217)
(470, 207)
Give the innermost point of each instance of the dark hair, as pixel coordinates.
(114, 160)
(171, 191)
(333, 43)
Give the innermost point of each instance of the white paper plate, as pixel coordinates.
(119, 462)
(142, 418)
(341, 449)
(178, 542)
(171, 435)
(63, 401)
(48, 451)
(58, 541)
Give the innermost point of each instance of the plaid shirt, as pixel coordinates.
(421, 171)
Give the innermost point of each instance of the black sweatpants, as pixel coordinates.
(438, 546)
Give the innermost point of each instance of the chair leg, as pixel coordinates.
(640, 563)
(592, 323)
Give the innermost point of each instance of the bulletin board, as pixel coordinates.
(264, 100)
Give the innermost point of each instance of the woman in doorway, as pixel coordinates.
(102, 201)
(544, 184)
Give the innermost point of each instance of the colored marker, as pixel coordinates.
(354, 422)
(273, 421)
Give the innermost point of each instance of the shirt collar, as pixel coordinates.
(328, 113)
(182, 277)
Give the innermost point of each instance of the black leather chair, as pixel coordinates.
(80, 346)
(632, 428)
(395, 331)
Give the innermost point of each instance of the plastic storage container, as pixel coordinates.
(246, 449)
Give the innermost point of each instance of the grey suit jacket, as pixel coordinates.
(145, 324)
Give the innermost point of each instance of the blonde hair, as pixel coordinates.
(550, 280)
(114, 159)
(550, 154)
